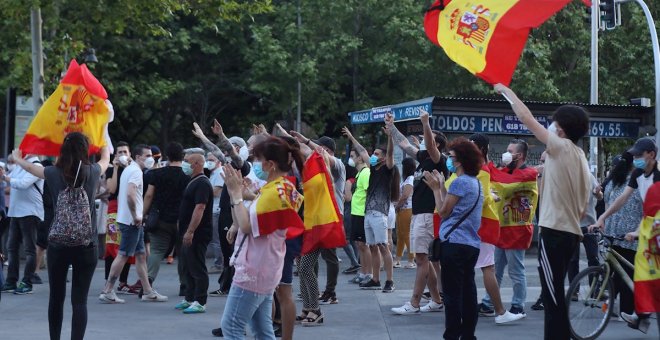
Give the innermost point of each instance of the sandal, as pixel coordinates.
(302, 316)
(314, 318)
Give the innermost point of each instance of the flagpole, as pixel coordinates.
(593, 96)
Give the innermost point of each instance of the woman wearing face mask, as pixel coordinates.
(260, 244)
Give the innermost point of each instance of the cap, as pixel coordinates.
(327, 142)
(155, 151)
(643, 145)
(237, 141)
(480, 140)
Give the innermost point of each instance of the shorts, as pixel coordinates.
(132, 240)
(357, 228)
(486, 255)
(42, 234)
(391, 217)
(293, 247)
(375, 228)
(421, 233)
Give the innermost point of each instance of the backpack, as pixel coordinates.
(72, 225)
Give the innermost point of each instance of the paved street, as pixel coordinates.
(360, 315)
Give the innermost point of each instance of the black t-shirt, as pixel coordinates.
(108, 175)
(423, 201)
(379, 194)
(169, 183)
(198, 191)
(225, 218)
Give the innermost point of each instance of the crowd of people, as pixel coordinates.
(198, 201)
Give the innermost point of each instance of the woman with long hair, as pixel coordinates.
(73, 169)
(260, 244)
(460, 223)
(404, 212)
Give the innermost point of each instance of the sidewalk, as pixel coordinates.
(363, 315)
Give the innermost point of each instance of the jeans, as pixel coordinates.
(197, 276)
(591, 248)
(244, 307)
(515, 258)
(163, 240)
(460, 291)
(22, 229)
(83, 260)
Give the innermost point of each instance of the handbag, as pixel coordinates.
(435, 248)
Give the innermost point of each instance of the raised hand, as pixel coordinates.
(197, 131)
(17, 154)
(424, 116)
(217, 128)
(346, 132)
(298, 136)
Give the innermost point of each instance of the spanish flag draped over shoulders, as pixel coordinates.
(277, 208)
(518, 197)
(647, 258)
(487, 37)
(323, 222)
(77, 105)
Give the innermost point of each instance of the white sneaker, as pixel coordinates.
(405, 309)
(432, 306)
(635, 322)
(110, 297)
(508, 317)
(154, 297)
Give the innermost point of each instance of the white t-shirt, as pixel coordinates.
(408, 181)
(217, 180)
(131, 174)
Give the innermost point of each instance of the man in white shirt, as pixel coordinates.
(26, 211)
(130, 221)
(214, 165)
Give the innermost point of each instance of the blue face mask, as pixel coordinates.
(259, 171)
(373, 160)
(640, 163)
(187, 168)
(450, 164)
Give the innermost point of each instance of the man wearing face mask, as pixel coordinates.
(164, 193)
(214, 166)
(645, 174)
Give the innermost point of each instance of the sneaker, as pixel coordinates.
(538, 305)
(397, 264)
(126, 289)
(328, 299)
(36, 279)
(217, 332)
(110, 297)
(508, 317)
(218, 293)
(411, 265)
(23, 288)
(154, 297)
(137, 285)
(406, 309)
(352, 269)
(517, 310)
(486, 311)
(195, 308)
(370, 285)
(389, 286)
(8, 288)
(357, 279)
(635, 322)
(426, 296)
(182, 305)
(432, 306)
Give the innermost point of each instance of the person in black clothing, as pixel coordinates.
(195, 229)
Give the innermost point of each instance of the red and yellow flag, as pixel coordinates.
(323, 222)
(647, 258)
(518, 196)
(77, 105)
(487, 36)
(277, 208)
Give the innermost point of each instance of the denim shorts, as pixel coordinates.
(132, 240)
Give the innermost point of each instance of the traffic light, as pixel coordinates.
(610, 14)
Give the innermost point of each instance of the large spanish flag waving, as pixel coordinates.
(487, 36)
(77, 105)
(277, 208)
(518, 196)
(323, 223)
(647, 259)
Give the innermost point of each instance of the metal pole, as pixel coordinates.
(299, 106)
(37, 60)
(593, 97)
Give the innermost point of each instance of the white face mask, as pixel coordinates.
(422, 146)
(210, 165)
(351, 162)
(507, 158)
(244, 153)
(123, 160)
(149, 162)
(553, 128)
(11, 167)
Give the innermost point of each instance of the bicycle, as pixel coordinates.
(591, 311)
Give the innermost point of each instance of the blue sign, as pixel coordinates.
(465, 123)
(378, 113)
(513, 125)
(613, 128)
(401, 112)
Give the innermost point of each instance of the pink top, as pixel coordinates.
(259, 263)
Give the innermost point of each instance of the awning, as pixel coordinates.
(402, 112)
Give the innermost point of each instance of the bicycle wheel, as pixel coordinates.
(589, 301)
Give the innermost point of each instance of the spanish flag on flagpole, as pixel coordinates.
(77, 105)
(647, 258)
(323, 223)
(487, 37)
(277, 208)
